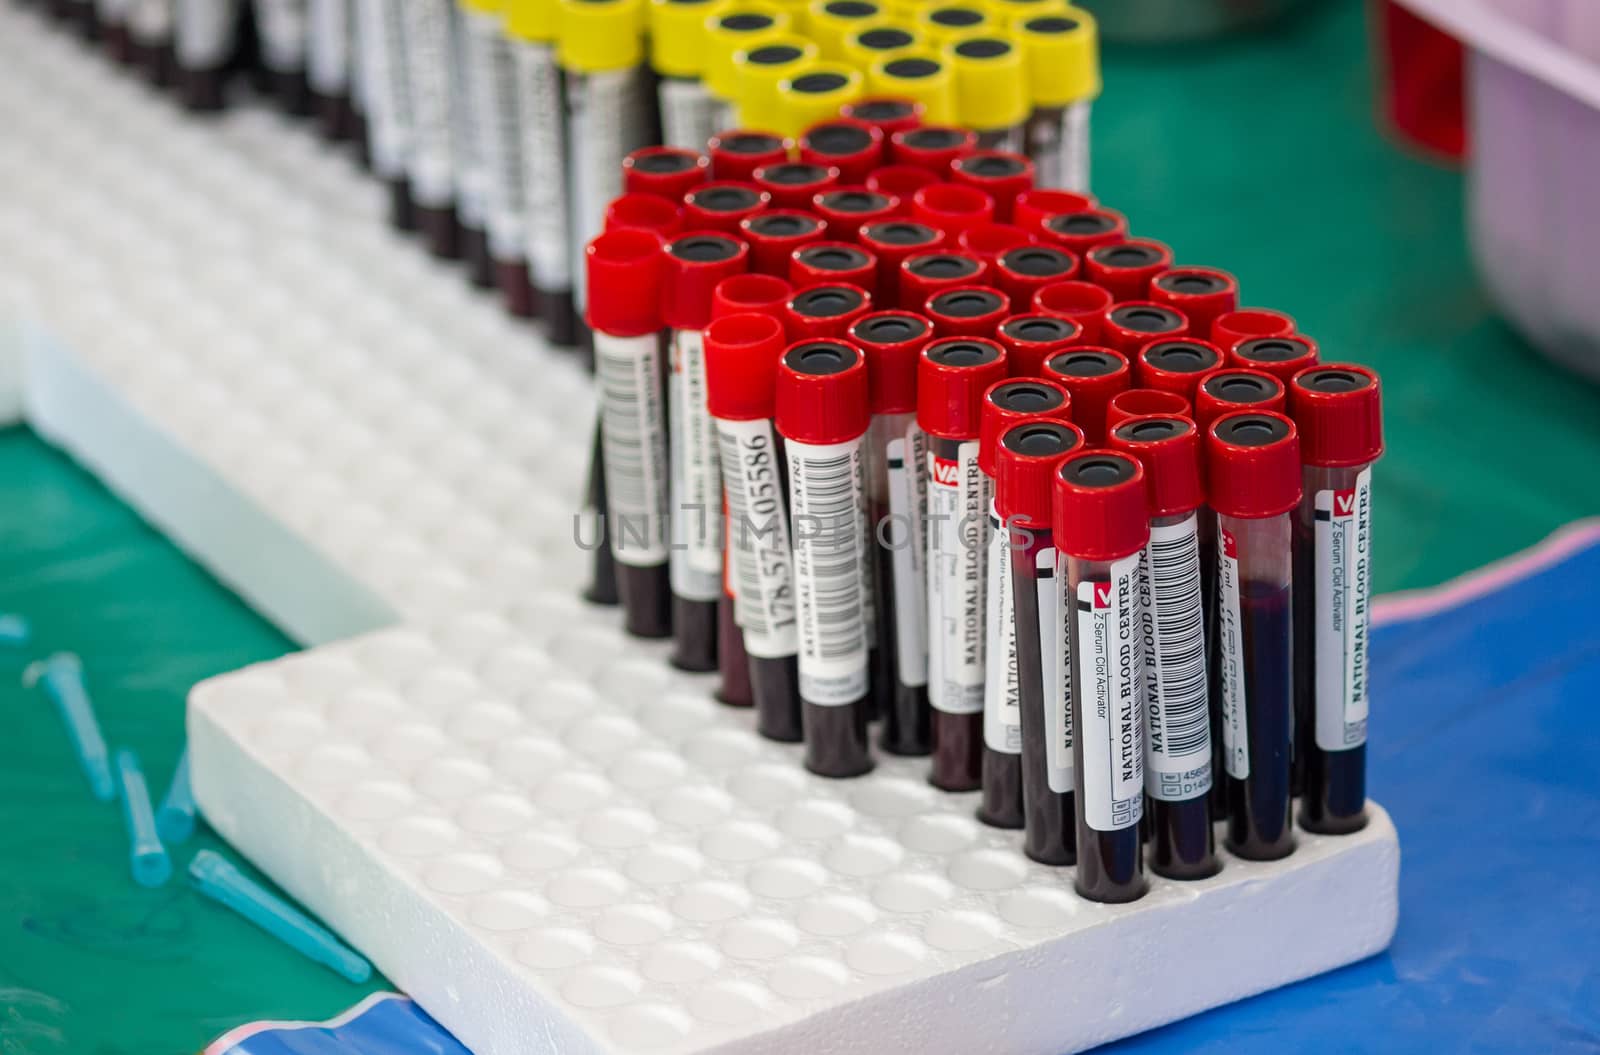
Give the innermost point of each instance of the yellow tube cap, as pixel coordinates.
(597, 36)
(919, 74)
(678, 35)
(814, 94)
(799, 12)
(731, 30)
(1062, 52)
(764, 66)
(831, 22)
(991, 86)
(947, 23)
(905, 11)
(1006, 13)
(533, 20)
(865, 46)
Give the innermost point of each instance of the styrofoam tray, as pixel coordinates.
(552, 840)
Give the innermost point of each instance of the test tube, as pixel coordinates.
(933, 146)
(991, 90)
(281, 43)
(491, 74)
(947, 23)
(824, 311)
(814, 94)
(1127, 268)
(1081, 302)
(952, 376)
(668, 172)
(897, 494)
(885, 113)
(1086, 230)
(722, 205)
(1024, 270)
(1176, 365)
(742, 352)
(990, 241)
(1000, 174)
(432, 153)
(1253, 479)
(695, 263)
(776, 235)
(831, 22)
(918, 73)
(1005, 404)
(645, 212)
(1136, 402)
(822, 414)
(387, 99)
(147, 858)
(625, 271)
(678, 44)
(853, 147)
(830, 263)
(1093, 375)
(867, 46)
(1030, 340)
(1132, 324)
(892, 242)
(1063, 62)
(730, 30)
(1102, 527)
(1033, 207)
(204, 37)
(926, 274)
(848, 209)
(112, 15)
(737, 153)
(1026, 459)
(1241, 324)
(951, 207)
(150, 35)
(900, 180)
(329, 36)
(1337, 411)
(763, 66)
(793, 184)
(1225, 391)
(1282, 357)
(547, 198)
(1201, 293)
(1176, 697)
(967, 311)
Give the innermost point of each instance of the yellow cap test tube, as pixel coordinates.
(947, 23)
(678, 35)
(533, 20)
(831, 22)
(814, 94)
(596, 36)
(761, 68)
(991, 89)
(733, 29)
(867, 45)
(1062, 54)
(921, 75)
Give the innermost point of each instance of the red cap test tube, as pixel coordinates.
(853, 147)
(775, 235)
(1176, 364)
(1127, 268)
(1036, 205)
(1093, 376)
(1084, 230)
(933, 147)
(1137, 402)
(824, 311)
(645, 212)
(1241, 324)
(1024, 270)
(1082, 302)
(1283, 357)
(668, 172)
(760, 294)
(722, 205)
(951, 207)
(848, 209)
(829, 263)
(1225, 391)
(794, 184)
(887, 114)
(1201, 293)
(900, 180)
(923, 275)
(892, 242)
(967, 311)
(1131, 325)
(1001, 174)
(1032, 338)
(735, 155)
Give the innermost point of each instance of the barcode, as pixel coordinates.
(1178, 661)
(828, 562)
(750, 606)
(635, 449)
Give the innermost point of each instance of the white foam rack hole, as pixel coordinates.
(551, 840)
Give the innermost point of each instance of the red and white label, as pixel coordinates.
(1343, 603)
(1230, 655)
(696, 558)
(1055, 667)
(958, 507)
(1002, 710)
(908, 510)
(1110, 684)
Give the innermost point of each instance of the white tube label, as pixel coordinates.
(1342, 587)
(328, 47)
(428, 62)
(696, 562)
(827, 487)
(688, 113)
(634, 445)
(1055, 662)
(958, 507)
(1177, 703)
(384, 93)
(546, 208)
(759, 553)
(466, 140)
(1002, 707)
(492, 75)
(205, 33)
(1230, 656)
(605, 119)
(905, 535)
(281, 27)
(1110, 682)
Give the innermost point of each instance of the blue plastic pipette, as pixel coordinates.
(62, 675)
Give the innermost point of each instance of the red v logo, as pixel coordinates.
(1344, 503)
(1102, 595)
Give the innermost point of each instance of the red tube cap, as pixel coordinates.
(1131, 325)
(900, 180)
(1027, 456)
(855, 148)
(892, 342)
(624, 270)
(1253, 464)
(793, 184)
(821, 392)
(774, 236)
(1082, 231)
(1093, 376)
(925, 274)
(1136, 402)
(1026, 269)
(1128, 267)
(1282, 357)
(644, 212)
(1201, 293)
(722, 205)
(829, 263)
(695, 264)
(967, 311)
(1083, 302)
(742, 353)
(952, 375)
(1033, 207)
(989, 240)
(1031, 339)
(1338, 408)
(1168, 446)
(848, 209)
(1228, 390)
(933, 147)
(824, 312)
(762, 294)
(998, 173)
(887, 114)
(669, 172)
(951, 207)
(1176, 365)
(735, 155)
(892, 242)
(1016, 399)
(1232, 327)
(1099, 510)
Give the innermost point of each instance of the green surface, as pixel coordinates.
(1259, 156)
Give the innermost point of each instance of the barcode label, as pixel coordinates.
(466, 140)
(634, 442)
(826, 487)
(1342, 586)
(759, 555)
(688, 113)
(204, 32)
(904, 537)
(605, 119)
(328, 47)
(1178, 742)
(958, 506)
(1002, 710)
(1055, 662)
(547, 208)
(1110, 679)
(384, 92)
(1230, 659)
(492, 81)
(428, 62)
(696, 562)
